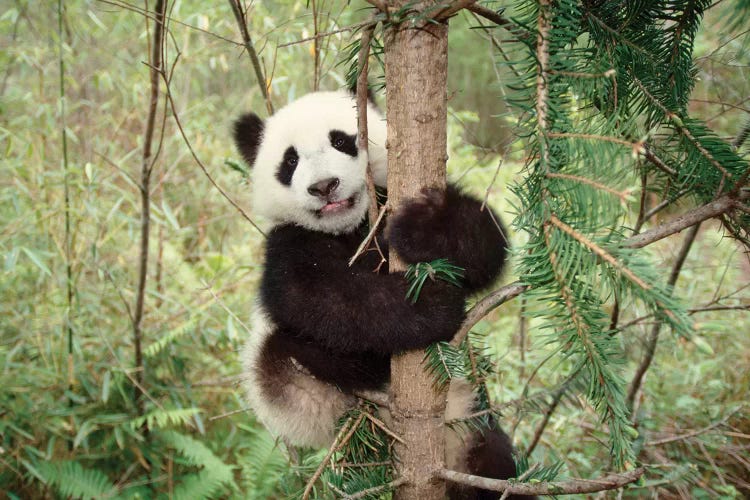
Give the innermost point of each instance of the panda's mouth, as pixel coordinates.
(336, 207)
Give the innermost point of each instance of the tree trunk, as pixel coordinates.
(416, 66)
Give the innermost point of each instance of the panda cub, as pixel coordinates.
(322, 330)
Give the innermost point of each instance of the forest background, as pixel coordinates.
(70, 220)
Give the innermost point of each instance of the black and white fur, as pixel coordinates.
(322, 329)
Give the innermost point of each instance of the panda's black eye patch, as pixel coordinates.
(343, 142)
(287, 166)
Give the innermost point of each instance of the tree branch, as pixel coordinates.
(654, 336)
(239, 15)
(453, 9)
(156, 69)
(715, 208)
(485, 305)
(362, 66)
(547, 415)
(569, 487)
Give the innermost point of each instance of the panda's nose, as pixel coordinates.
(324, 188)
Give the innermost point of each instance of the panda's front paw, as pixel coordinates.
(417, 231)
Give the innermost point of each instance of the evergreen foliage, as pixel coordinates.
(611, 81)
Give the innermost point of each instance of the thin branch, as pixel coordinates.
(485, 305)
(68, 319)
(341, 439)
(370, 235)
(544, 26)
(453, 9)
(156, 69)
(568, 487)
(658, 208)
(239, 15)
(672, 117)
(559, 393)
(603, 254)
(743, 135)
(648, 152)
(583, 180)
(362, 132)
(498, 19)
(376, 489)
(488, 14)
(653, 338)
(715, 208)
(168, 19)
(203, 167)
(380, 424)
(635, 146)
(345, 29)
(692, 434)
(316, 47)
(229, 414)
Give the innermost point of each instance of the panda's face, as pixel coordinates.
(307, 169)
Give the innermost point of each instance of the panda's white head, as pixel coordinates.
(306, 168)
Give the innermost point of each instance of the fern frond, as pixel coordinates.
(73, 480)
(161, 418)
(214, 477)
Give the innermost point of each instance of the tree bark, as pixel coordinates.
(416, 67)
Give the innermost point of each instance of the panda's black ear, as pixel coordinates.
(370, 94)
(248, 132)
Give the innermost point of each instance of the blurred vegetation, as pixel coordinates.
(70, 428)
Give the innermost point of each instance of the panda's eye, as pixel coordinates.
(341, 141)
(292, 161)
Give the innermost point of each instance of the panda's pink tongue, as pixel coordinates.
(335, 206)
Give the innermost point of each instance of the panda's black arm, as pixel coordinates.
(454, 226)
(310, 292)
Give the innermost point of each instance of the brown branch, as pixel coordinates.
(583, 180)
(453, 9)
(742, 135)
(545, 420)
(692, 434)
(677, 122)
(648, 152)
(362, 132)
(203, 167)
(653, 338)
(715, 208)
(381, 425)
(485, 305)
(569, 487)
(168, 19)
(373, 230)
(316, 47)
(345, 29)
(345, 433)
(488, 14)
(544, 26)
(499, 20)
(147, 162)
(376, 489)
(239, 15)
(635, 146)
(603, 254)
